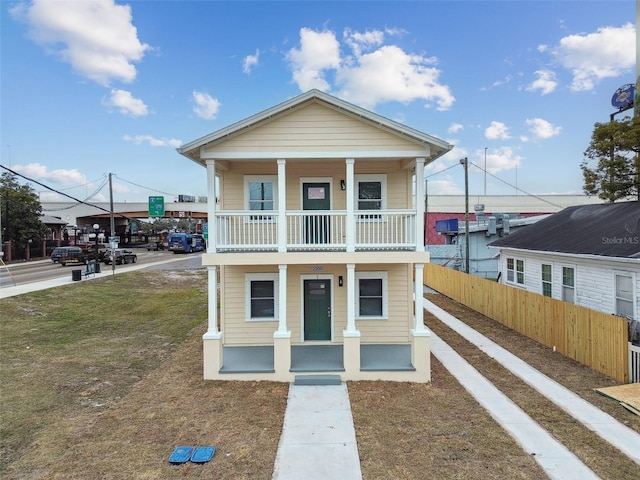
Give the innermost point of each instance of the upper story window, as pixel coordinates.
(261, 194)
(515, 270)
(371, 194)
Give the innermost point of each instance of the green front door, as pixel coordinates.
(315, 196)
(317, 309)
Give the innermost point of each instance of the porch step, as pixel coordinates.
(317, 380)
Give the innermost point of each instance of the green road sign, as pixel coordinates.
(156, 206)
(205, 231)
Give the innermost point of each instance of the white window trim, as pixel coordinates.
(382, 178)
(515, 271)
(542, 282)
(634, 300)
(575, 282)
(263, 179)
(250, 277)
(385, 294)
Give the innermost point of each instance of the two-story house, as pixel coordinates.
(314, 242)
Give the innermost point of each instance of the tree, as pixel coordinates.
(20, 214)
(616, 148)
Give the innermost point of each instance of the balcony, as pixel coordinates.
(314, 230)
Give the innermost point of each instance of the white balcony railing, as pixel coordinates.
(314, 230)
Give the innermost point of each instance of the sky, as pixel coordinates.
(92, 87)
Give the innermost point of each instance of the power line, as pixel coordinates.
(147, 188)
(517, 188)
(61, 193)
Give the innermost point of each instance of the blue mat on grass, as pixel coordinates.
(181, 455)
(203, 454)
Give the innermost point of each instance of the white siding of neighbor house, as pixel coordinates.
(315, 127)
(594, 278)
(238, 331)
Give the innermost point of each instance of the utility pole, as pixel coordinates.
(465, 164)
(112, 225)
(485, 171)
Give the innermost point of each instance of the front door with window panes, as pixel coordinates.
(317, 228)
(317, 309)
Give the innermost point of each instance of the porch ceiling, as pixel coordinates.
(313, 258)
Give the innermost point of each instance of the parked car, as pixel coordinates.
(155, 246)
(120, 256)
(71, 255)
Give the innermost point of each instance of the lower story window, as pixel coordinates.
(371, 294)
(515, 270)
(569, 284)
(261, 296)
(546, 280)
(624, 295)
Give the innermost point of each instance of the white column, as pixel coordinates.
(418, 298)
(212, 273)
(282, 206)
(211, 206)
(350, 192)
(282, 300)
(351, 298)
(419, 204)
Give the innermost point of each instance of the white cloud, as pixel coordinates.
(126, 103)
(250, 61)
(608, 52)
(318, 52)
(372, 74)
(40, 172)
(153, 141)
(443, 186)
(541, 128)
(455, 128)
(97, 38)
(206, 106)
(503, 158)
(497, 131)
(546, 82)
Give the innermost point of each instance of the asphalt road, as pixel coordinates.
(39, 270)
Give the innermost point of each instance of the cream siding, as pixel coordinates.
(239, 331)
(315, 128)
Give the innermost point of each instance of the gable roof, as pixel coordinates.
(610, 230)
(435, 146)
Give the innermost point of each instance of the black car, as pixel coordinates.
(120, 256)
(73, 255)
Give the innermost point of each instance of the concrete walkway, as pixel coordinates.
(318, 440)
(620, 436)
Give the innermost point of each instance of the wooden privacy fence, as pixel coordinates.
(595, 339)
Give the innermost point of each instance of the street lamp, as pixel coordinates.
(96, 228)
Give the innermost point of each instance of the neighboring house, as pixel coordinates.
(483, 261)
(588, 255)
(314, 244)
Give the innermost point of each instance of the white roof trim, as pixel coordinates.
(192, 149)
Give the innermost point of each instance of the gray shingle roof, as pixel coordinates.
(611, 230)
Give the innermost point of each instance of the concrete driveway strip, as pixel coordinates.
(608, 428)
(554, 458)
(318, 440)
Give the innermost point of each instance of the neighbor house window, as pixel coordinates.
(515, 270)
(547, 289)
(260, 195)
(261, 291)
(371, 295)
(370, 194)
(624, 295)
(569, 284)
